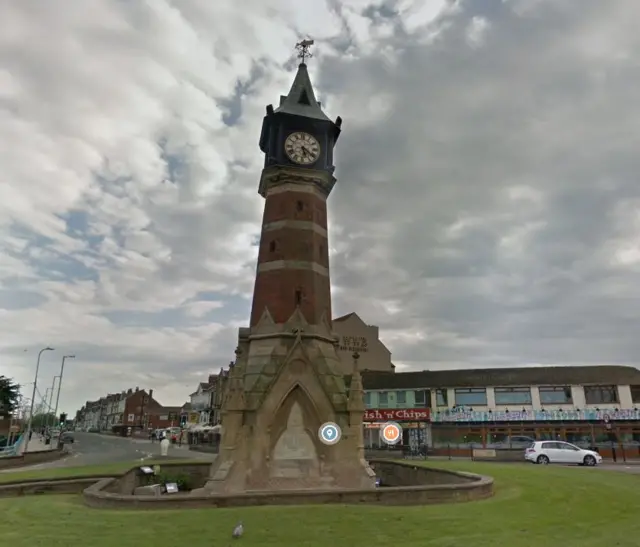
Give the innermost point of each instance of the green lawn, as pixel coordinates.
(535, 506)
(87, 470)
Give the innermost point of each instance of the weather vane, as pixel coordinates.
(304, 48)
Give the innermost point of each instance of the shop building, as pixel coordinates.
(354, 335)
(201, 408)
(485, 408)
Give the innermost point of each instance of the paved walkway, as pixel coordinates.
(37, 445)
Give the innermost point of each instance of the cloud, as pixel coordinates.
(486, 211)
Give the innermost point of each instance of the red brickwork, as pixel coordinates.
(282, 289)
(286, 206)
(139, 406)
(294, 244)
(276, 290)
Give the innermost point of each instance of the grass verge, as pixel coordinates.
(534, 506)
(75, 472)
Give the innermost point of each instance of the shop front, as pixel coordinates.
(458, 431)
(413, 421)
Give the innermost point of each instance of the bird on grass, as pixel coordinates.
(237, 531)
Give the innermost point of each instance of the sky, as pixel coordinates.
(486, 214)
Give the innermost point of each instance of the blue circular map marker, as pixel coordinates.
(329, 433)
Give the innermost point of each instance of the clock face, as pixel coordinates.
(302, 148)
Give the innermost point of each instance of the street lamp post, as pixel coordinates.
(64, 358)
(50, 405)
(33, 396)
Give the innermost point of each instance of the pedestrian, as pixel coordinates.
(180, 438)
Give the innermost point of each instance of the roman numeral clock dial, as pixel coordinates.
(302, 148)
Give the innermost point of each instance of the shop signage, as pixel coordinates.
(591, 415)
(396, 414)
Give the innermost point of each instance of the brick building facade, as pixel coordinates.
(134, 408)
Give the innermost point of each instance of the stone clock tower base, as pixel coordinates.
(280, 391)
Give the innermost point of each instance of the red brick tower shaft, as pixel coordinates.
(293, 261)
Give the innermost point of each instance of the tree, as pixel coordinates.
(42, 420)
(9, 396)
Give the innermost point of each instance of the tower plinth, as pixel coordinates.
(285, 382)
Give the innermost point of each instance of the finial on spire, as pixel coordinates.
(304, 50)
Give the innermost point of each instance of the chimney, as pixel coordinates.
(150, 394)
(129, 391)
(137, 389)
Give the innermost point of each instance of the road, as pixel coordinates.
(95, 449)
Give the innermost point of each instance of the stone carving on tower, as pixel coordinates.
(285, 382)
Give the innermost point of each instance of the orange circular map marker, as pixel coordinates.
(390, 432)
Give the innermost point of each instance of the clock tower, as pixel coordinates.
(285, 385)
(297, 140)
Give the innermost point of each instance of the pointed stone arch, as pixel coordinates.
(296, 399)
(297, 372)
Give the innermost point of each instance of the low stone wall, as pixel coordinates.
(410, 485)
(407, 484)
(208, 448)
(31, 458)
(408, 474)
(196, 473)
(382, 454)
(47, 486)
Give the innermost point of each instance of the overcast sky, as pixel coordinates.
(486, 211)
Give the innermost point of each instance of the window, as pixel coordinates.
(299, 205)
(599, 395)
(383, 399)
(471, 396)
(550, 446)
(401, 397)
(512, 395)
(422, 398)
(555, 395)
(272, 246)
(635, 394)
(441, 397)
(367, 399)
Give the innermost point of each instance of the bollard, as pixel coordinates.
(164, 447)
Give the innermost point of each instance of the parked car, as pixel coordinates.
(545, 452)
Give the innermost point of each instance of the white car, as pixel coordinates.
(545, 452)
